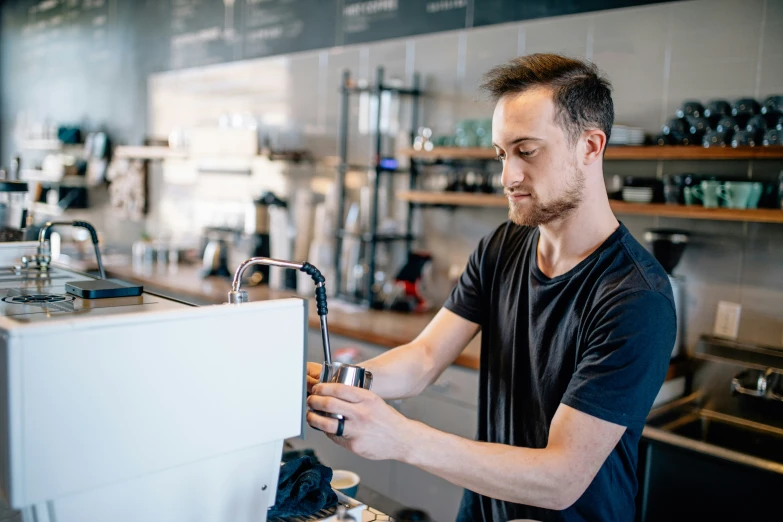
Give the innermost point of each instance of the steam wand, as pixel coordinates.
(43, 256)
(236, 296)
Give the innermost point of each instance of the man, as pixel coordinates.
(577, 325)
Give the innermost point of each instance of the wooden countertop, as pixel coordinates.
(382, 328)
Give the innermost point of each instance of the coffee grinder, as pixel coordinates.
(259, 230)
(667, 246)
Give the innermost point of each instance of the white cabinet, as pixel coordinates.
(450, 405)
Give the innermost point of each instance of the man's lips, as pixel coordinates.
(517, 196)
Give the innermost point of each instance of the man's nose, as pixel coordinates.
(512, 174)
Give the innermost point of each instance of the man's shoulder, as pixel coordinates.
(631, 269)
(507, 234)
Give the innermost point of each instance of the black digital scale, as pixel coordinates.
(103, 288)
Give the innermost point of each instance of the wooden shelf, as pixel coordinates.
(51, 146)
(454, 198)
(619, 207)
(148, 152)
(451, 153)
(681, 152)
(624, 152)
(754, 215)
(40, 144)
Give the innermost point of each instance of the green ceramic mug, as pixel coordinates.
(708, 192)
(736, 193)
(755, 194)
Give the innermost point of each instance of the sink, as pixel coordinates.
(719, 430)
(701, 464)
(765, 443)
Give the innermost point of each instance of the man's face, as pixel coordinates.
(541, 177)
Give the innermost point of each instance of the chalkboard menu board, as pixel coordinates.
(176, 34)
(369, 20)
(285, 26)
(71, 62)
(53, 34)
(487, 12)
(203, 32)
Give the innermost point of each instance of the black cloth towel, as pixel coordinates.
(303, 489)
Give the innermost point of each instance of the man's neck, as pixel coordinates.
(565, 243)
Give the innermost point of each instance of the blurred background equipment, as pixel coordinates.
(14, 204)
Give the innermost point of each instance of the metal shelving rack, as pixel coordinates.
(372, 237)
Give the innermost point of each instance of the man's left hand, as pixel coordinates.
(372, 429)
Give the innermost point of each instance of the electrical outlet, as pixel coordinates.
(727, 319)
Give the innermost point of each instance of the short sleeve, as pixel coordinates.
(624, 364)
(469, 298)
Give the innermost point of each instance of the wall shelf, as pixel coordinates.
(619, 207)
(622, 152)
(752, 215)
(378, 238)
(148, 152)
(459, 199)
(161, 152)
(49, 145)
(755, 356)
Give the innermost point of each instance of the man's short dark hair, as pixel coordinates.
(582, 96)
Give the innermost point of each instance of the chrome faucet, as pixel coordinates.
(764, 386)
(237, 296)
(43, 255)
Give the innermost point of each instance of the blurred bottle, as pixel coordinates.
(16, 167)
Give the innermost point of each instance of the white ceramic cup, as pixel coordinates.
(346, 482)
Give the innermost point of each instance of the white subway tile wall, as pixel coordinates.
(770, 66)
(656, 57)
(628, 46)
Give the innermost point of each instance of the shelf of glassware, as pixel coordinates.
(622, 152)
(619, 207)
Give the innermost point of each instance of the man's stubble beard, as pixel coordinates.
(538, 213)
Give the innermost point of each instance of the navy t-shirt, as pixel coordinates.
(597, 339)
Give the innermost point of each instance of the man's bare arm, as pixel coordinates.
(553, 477)
(407, 370)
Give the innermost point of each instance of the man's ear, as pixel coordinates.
(595, 142)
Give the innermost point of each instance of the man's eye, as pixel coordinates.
(526, 152)
(501, 157)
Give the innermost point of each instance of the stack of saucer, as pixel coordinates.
(638, 194)
(624, 135)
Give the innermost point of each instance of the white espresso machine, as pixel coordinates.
(142, 408)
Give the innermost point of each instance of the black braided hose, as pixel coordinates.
(320, 288)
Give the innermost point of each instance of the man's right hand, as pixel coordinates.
(313, 375)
